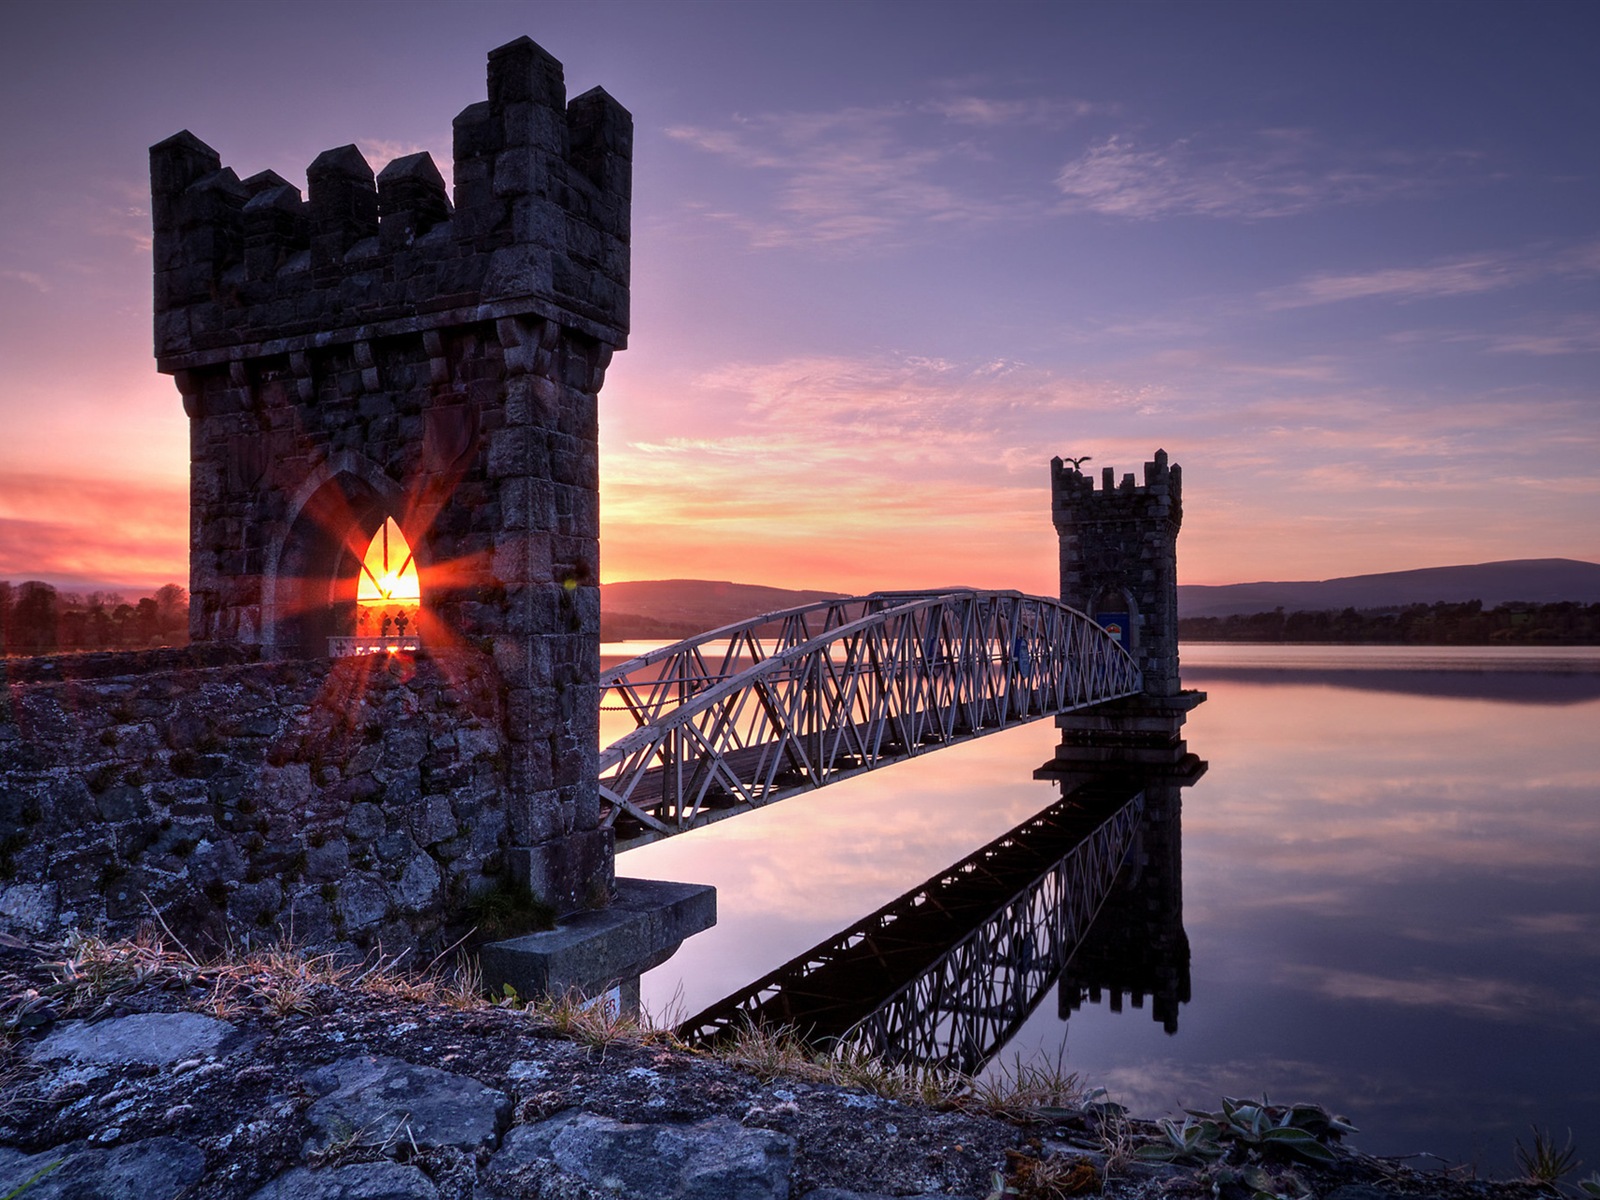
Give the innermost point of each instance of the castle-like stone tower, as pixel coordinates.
(382, 351)
(1119, 558)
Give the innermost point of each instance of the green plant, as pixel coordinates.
(1196, 1140)
(28, 1183)
(1590, 1186)
(1307, 1131)
(1542, 1162)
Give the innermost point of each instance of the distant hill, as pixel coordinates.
(679, 608)
(668, 609)
(1536, 580)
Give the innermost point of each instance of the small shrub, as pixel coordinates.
(1542, 1163)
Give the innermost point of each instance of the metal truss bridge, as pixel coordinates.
(741, 716)
(947, 973)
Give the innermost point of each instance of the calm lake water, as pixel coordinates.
(1390, 890)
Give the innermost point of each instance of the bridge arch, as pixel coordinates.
(785, 702)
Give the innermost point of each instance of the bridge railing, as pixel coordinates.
(741, 716)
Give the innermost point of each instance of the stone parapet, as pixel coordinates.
(352, 801)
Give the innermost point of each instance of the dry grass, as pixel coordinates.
(594, 1022)
(1055, 1177)
(1029, 1089)
(1021, 1092)
(91, 973)
(284, 981)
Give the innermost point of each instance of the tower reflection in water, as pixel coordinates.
(1086, 894)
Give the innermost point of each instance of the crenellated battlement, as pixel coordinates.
(1161, 493)
(1119, 558)
(538, 227)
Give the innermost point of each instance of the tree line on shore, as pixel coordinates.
(35, 618)
(1567, 623)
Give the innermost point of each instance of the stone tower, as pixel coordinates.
(384, 350)
(1119, 559)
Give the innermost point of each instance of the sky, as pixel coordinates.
(1342, 261)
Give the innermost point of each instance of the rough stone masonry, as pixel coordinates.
(378, 350)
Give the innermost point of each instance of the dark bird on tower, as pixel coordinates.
(1077, 463)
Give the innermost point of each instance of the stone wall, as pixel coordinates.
(357, 800)
(1119, 554)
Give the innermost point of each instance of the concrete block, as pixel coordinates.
(590, 951)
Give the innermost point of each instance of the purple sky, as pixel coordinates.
(1341, 260)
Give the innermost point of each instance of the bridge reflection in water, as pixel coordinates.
(1087, 894)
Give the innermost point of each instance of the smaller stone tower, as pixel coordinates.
(1119, 559)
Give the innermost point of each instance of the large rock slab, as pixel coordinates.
(154, 1169)
(359, 1181)
(388, 1100)
(156, 1039)
(717, 1159)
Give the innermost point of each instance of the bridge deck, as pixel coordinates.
(783, 703)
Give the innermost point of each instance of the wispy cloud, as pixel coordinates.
(1458, 277)
(1467, 275)
(1573, 335)
(844, 177)
(32, 278)
(871, 174)
(1272, 173)
(850, 467)
(1040, 111)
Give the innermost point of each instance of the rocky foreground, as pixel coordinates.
(132, 1073)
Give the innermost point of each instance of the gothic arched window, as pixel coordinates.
(388, 593)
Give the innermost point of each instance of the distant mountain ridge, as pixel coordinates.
(676, 608)
(1536, 580)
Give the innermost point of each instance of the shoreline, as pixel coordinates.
(280, 1076)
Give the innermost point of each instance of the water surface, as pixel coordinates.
(1390, 891)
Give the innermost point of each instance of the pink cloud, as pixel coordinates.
(127, 532)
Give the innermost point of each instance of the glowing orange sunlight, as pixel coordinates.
(388, 571)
